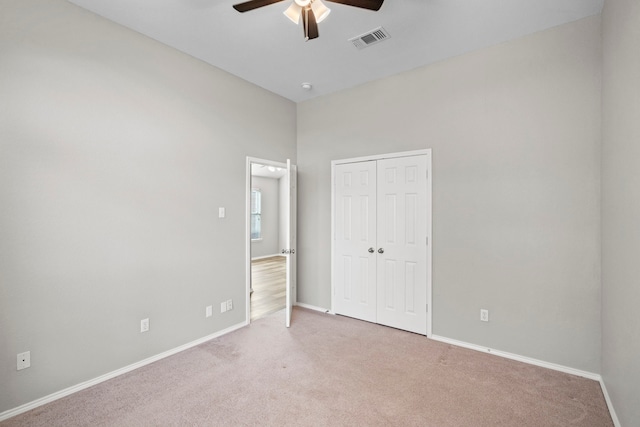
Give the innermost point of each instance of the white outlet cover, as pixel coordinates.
(144, 325)
(229, 304)
(223, 307)
(209, 311)
(23, 360)
(484, 315)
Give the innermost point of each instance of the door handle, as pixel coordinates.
(371, 250)
(380, 251)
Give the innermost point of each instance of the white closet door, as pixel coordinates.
(355, 240)
(381, 219)
(402, 243)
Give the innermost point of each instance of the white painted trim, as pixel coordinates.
(524, 359)
(382, 156)
(313, 307)
(333, 236)
(102, 378)
(425, 152)
(430, 245)
(247, 239)
(267, 256)
(247, 213)
(612, 411)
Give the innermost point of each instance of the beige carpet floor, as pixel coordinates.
(330, 371)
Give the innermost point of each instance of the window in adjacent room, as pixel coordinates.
(256, 212)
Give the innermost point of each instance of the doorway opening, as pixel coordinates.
(269, 254)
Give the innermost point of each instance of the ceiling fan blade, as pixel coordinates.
(253, 4)
(310, 24)
(363, 4)
(313, 26)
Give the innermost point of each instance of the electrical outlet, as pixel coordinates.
(144, 325)
(229, 304)
(24, 360)
(484, 315)
(223, 307)
(209, 311)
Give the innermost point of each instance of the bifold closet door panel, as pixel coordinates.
(402, 243)
(355, 240)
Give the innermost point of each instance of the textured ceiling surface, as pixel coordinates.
(264, 47)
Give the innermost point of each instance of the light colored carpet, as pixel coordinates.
(330, 370)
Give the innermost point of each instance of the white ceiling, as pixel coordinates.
(267, 171)
(265, 48)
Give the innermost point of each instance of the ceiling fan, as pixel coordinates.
(311, 11)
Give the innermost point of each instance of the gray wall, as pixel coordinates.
(115, 154)
(515, 133)
(270, 243)
(116, 151)
(621, 207)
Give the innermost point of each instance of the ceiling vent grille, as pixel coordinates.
(370, 38)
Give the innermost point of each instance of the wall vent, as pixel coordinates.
(372, 37)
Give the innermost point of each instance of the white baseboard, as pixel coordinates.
(313, 307)
(614, 417)
(525, 359)
(266, 256)
(86, 384)
(78, 387)
(541, 363)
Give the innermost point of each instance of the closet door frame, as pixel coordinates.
(428, 221)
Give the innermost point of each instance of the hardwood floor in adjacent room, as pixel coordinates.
(268, 279)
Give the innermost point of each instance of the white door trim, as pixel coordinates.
(382, 156)
(292, 204)
(426, 152)
(247, 212)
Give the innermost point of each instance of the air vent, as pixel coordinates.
(370, 38)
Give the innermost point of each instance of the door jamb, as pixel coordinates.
(426, 152)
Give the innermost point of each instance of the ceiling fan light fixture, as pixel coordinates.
(294, 12)
(320, 10)
(311, 12)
